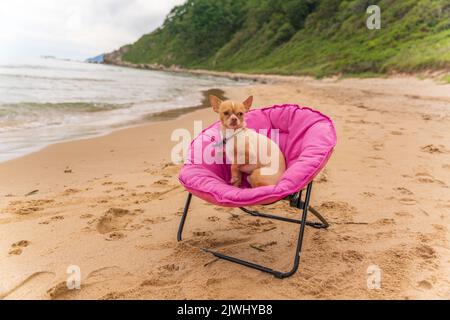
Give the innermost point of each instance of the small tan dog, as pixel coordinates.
(252, 153)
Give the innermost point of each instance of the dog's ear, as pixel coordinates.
(248, 103)
(215, 103)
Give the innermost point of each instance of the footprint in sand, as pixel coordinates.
(164, 277)
(323, 177)
(433, 149)
(169, 170)
(338, 208)
(17, 247)
(359, 121)
(368, 194)
(352, 256)
(154, 220)
(159, 281)
(223, 209)
(69, 192)
(423, 177)
(179, 212)
(263, 246)
(378, 146)
(214, 281)
(403, 191)
(384, 222)
(114, 236)
(376, 158)
(113, 220)
(404, 214)
(253, 226)
(260, 223)
(102, 276)
(216, 243)
(361, 106)
(408, 201)
(55, 218)
(202, 233)
(168, 269)
(424, 284)
(58, 291)
(213, 219)
(28, 207)
(426, 252)
(162, 182)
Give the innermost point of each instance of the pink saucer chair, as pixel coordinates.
(306, 138)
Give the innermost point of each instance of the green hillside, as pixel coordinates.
(301, 37)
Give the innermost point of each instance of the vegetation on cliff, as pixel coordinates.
(301, 37)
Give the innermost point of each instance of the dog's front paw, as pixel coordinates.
(236, 181)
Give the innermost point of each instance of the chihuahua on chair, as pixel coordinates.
(249, 152)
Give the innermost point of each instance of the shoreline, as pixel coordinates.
(165, 115)
(170, 114)
(111, 205)
(435, 75)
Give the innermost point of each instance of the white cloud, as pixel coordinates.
(75, 28)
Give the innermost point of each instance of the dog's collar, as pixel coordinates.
(226, 139)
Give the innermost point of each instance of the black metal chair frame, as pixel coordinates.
(295, 201)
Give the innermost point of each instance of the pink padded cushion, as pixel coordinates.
(306, 138)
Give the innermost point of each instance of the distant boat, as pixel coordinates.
(96, 59)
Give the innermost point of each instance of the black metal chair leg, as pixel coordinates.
(318, 225)
(298, 251)
(183, 217)
(324, 223)
(303, 223)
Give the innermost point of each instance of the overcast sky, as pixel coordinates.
(75, 29)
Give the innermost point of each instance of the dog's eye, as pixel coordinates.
(240, 114)
(226, 113)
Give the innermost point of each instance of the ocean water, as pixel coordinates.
(45, 101)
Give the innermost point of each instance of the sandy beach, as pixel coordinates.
(111, 206)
